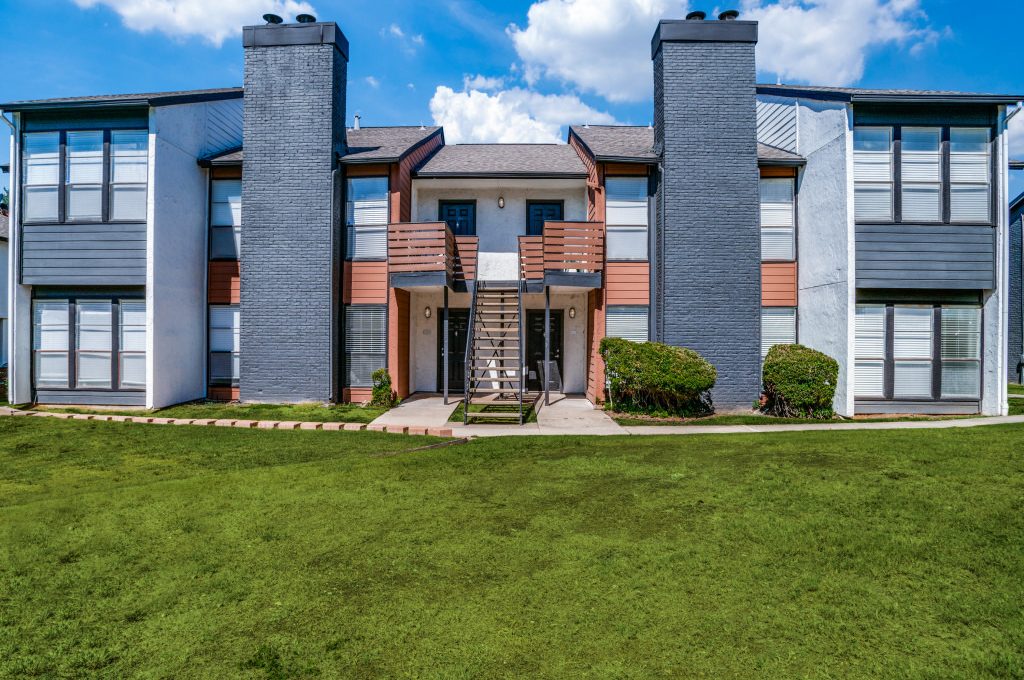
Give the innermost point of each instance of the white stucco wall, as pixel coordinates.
(498, 228)
(19, 326)
(423, 345)
(3, 301)
(996, 311)
(176, 256)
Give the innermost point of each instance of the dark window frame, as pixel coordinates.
(348, 227)
(210, 382)
(444, 202)
(532, 202)
(209, 220)
(796, 218)
(650, 223)
(344, 345)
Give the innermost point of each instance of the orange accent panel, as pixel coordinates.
(628, 283)
(595, 333)
(778, 284)
(403, 183)
(775, 171)
(635, 169)
(398, 340)
(224, 283)
(365, 283)
(368, 170)
(221, 393)
(356, 395)
(226, 172)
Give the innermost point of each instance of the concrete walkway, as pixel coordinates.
(420, 410)
(572, 414)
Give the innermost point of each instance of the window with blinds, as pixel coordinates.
(225, 345)
(869, 351)
(128, 174)
(40, 176)
(626, 218)
(225, 219)
(921, 174)
(873, 173)
(629, 322)
(777, 219)
(912, 352)
(93, 346)
(50, 342)
(778, 327)
(970, 167)
(83, 176)
(132, 344)
(366, 331)
(366, 210)
(961, 352)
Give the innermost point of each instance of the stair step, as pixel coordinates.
(503, 415)
(491, 390)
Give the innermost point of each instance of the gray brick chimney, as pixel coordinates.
(708, 243)
(295, 80)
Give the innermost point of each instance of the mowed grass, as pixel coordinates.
(160, 551)
(344, 413)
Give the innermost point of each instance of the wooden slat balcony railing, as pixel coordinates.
(428, 254)
(531, 258)
(574, 247)
(466, 248)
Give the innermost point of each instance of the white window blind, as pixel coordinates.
(630, 322)
(367, 218)
(50, 343)
(961, 352)
(132, 346)
(869, 351)
(226, 219)
(873, 173)
(970, 166)
(778, 327)
(626, 218)
(912, 351)
(777, 219)
(40, 175)
(366, 331)
(129, 163)
(94, 344)
(921, 174)
(84, 175)
(225, 344)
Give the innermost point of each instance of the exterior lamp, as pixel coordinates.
(426, 312)
(501, 202)
(572, 312)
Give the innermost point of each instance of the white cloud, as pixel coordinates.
(409, 43)
(372, 82)
(827, 41)
(602, 46)
(513, 115)
(215, 22)
(481, 82)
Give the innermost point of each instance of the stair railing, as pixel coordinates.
(468, 375)
(522, 351)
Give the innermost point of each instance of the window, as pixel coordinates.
(921, 174)
(366, 331)
(84, 176)
(539, 212)
(778, 327)
(128, 169)
(50, 342)
(132, 344)
(93, 344)
(912, 352)
(873, 173)
(629, 322)
(777, 223)
(41, 175)
(225, 219)
(970, 166)
(869, 353)
(626, 218)
(961, 352)
(366, 212)
(225, 344)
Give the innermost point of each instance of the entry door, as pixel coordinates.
(538, 213)
(459, 215)
(535, 348)
(458, 331)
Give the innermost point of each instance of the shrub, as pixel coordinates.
(799, 382)
(383, 395)
(3, 385)
(649, 377)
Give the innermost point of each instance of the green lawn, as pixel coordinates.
(155, 551)
(1014, 388)
(626, 419)
(336, 413)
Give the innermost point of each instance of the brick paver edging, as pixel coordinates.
(228, 422)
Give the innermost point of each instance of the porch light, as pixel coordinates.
(572, 312)
(501, 202)
(426, 312)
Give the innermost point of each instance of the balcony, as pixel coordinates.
(568, 254)
(428, 254)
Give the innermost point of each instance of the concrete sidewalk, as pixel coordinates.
(420, 410)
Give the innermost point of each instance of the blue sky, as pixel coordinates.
(508, 70)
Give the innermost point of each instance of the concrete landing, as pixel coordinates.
(420, 410)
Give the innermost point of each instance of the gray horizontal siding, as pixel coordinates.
(922, 407)
(932, 256)
(84, 254)
(91, 397)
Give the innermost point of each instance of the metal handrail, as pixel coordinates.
(468, 358)
(522, 352)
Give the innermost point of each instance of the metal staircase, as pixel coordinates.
(494, 353)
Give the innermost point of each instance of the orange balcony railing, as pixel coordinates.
(565, 247)
(426, 248)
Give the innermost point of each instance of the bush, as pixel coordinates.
(383, 395)
(649, 377)
(3, 385)
(799, 382)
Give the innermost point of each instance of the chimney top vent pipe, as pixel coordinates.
(272, 19)
(696, 16)
(306, 19)
(728, 15)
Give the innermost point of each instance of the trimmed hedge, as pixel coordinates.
(650, 377)
(799, 382)
(382, 395)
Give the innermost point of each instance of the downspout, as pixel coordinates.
(335, 307)
(1020, 264)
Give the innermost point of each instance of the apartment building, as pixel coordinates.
(247, 244)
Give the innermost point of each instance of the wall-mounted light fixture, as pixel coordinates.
(501, 202)
(572, 312)
(426, 312)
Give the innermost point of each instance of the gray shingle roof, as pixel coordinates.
(856, 94)
(617, 142)
(229, 157)
(384, 144)
(773, 155)
(145, 99)
(504, 160)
